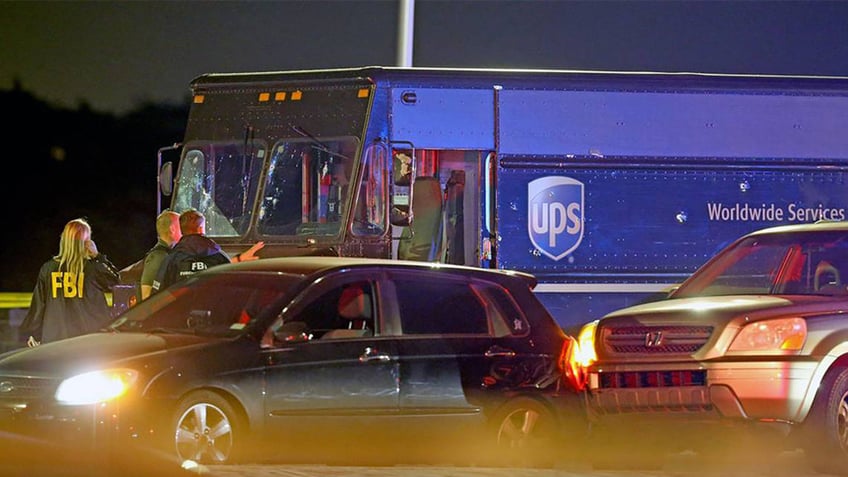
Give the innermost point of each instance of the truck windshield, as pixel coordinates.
(304, 191)
(307, 186)
(786, 264)
(221, 180)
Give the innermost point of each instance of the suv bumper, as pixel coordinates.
(776, 390)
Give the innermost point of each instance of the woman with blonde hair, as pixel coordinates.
(70, 295)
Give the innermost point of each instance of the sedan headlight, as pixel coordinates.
(785, 334)
(95, 386)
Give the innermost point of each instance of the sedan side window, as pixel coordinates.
(347, 311)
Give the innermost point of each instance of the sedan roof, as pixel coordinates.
(321, 264)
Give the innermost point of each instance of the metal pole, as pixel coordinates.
(406, 20)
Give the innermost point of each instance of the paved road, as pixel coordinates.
(785, 464)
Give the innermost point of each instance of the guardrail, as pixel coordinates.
(15, 300)
(13, 309)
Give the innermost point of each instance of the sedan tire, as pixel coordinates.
(207, 429)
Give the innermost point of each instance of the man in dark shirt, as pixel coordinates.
(168, 232)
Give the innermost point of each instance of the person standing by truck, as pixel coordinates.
(168, 232)
(70, 294)
(195, 252)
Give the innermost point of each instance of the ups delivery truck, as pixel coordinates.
(610, 187)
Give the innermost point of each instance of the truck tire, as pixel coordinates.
(826, 445)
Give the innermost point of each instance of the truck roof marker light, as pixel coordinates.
(296, 95)
(264, 97)
(198, 98)
(280, 96)
(362, 93)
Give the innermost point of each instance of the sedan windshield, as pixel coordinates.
(787, 264)
(223, 304)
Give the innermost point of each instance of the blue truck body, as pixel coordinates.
(609, 187)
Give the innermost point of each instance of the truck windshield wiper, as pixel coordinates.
(316, 143)
(246, 166)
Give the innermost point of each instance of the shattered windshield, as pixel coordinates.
(803, 263)
(219, 305)
(307, 186)
(220, 180)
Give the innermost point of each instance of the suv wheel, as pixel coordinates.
(525, 433)
(827, 443)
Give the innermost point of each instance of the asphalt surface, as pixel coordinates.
(783, 464)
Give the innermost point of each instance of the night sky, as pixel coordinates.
(114, 55)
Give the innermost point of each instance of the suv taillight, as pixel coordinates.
(569, 365)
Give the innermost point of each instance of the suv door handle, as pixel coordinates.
(371, 354)
(497, 351)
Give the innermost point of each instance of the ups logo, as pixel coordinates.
(555, 215)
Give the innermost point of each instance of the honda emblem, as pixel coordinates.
(653, 339)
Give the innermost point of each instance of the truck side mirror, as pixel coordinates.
(166, 179)
(402, 169)
(399, 216)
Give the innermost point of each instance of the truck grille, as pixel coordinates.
(653, 340)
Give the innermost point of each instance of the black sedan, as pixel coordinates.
(293, 357)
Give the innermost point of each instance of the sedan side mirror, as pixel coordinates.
(291, 332)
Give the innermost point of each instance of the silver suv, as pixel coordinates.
(759, 334)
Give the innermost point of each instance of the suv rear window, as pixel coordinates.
(424, 305)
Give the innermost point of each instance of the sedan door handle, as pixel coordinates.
(497, 352)
(371, 354)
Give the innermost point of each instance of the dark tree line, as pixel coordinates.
(60, 164)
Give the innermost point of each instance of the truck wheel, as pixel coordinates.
(207, 429)
(525, 433)
(827, 429)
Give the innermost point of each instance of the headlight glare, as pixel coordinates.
(585, 353)
(95, 386)
(784, 334)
